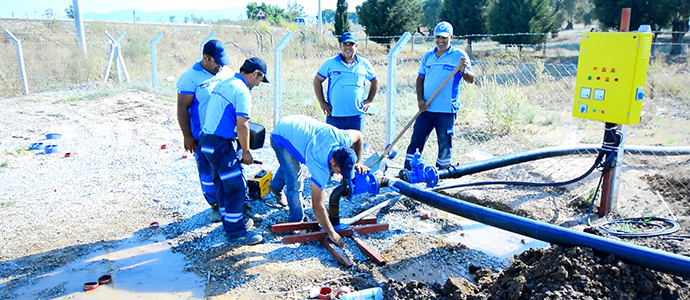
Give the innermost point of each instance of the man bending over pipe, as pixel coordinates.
(325, 150)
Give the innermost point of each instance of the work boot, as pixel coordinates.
(248, 239)
(281, 199)
(215, 214)
(248, 224)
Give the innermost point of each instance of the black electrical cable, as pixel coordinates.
(526, 183)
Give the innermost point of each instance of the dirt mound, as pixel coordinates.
(578, 273)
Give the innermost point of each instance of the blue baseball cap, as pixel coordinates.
(253, 64)
(216, 49)
(443, 29)
(346, 158)
(348, 37)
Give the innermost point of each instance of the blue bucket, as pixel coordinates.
(51, 149)
(36, 146)
(53, 136)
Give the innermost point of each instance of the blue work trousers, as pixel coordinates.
(228, 179)
(444, 124)
(289, 176)
(354, 122)
(205, 177)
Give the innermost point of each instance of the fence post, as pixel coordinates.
(20, 61)
(121, 61)
(117, 55)
(79, 24)
(391, 90)
(154, 64)
(208, 38)
(278, 79)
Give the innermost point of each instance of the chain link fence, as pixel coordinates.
(521, 100)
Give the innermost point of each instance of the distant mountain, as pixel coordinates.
(232, 13)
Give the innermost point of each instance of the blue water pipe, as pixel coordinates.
(646, 257)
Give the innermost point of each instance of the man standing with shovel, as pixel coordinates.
(436, 66)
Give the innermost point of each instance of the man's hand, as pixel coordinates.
(190, 143)
(361, 168)
(326, 108)
(337, 239)
(247, 158)
(463, 65)
(366, 104)
(422, 105)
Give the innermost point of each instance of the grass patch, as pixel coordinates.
(91, 95)
(7, 204)
(3, 165)
(16, 151)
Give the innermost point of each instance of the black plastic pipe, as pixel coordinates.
(334, 203)
(531, 155)
(643, 256)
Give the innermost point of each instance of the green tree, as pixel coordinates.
(563, 10)
(658, 13)
(272, 13)
(342, 23)
(295, 10)
(328, 16)
(680, 26)
(172, 18)
(468, 17)
(353, 18)
(533, 18)
(430, 13)
(382, 19)
(70, 12)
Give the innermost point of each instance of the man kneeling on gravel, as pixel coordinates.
(325, 150)
(227, 125)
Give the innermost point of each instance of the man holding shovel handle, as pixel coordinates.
(441, 72)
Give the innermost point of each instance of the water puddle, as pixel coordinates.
(139, 270)
(490, 240)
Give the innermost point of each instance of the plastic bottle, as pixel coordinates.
(368, 294)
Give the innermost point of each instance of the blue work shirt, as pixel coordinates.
(435, 71)
(312, 143)
(345, 91)
(230, 99)
(200, 83)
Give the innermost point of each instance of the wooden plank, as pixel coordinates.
(370, 253)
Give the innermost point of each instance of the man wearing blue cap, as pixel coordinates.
(224, 133)
(193, 91)
(436, 65)
(347, 73)
(325, 150)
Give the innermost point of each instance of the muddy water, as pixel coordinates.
(490, 240)
(139, 270)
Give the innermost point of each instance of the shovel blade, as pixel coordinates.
(374, 162)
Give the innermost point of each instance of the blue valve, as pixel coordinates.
(420, 172)
(363, 183)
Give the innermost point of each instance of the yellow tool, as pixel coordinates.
(611, 75)
(258, 184)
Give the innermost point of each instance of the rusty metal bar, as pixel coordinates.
(370, 253)
(339, 256)
(282, 227)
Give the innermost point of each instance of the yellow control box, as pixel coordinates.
(258, 185)
(611, 75)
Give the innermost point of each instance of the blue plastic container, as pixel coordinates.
(51, 149)
(53, 136)
(36, 146)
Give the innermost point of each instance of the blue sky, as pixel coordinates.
(21, 8)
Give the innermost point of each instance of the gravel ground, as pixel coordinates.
(56, 209)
